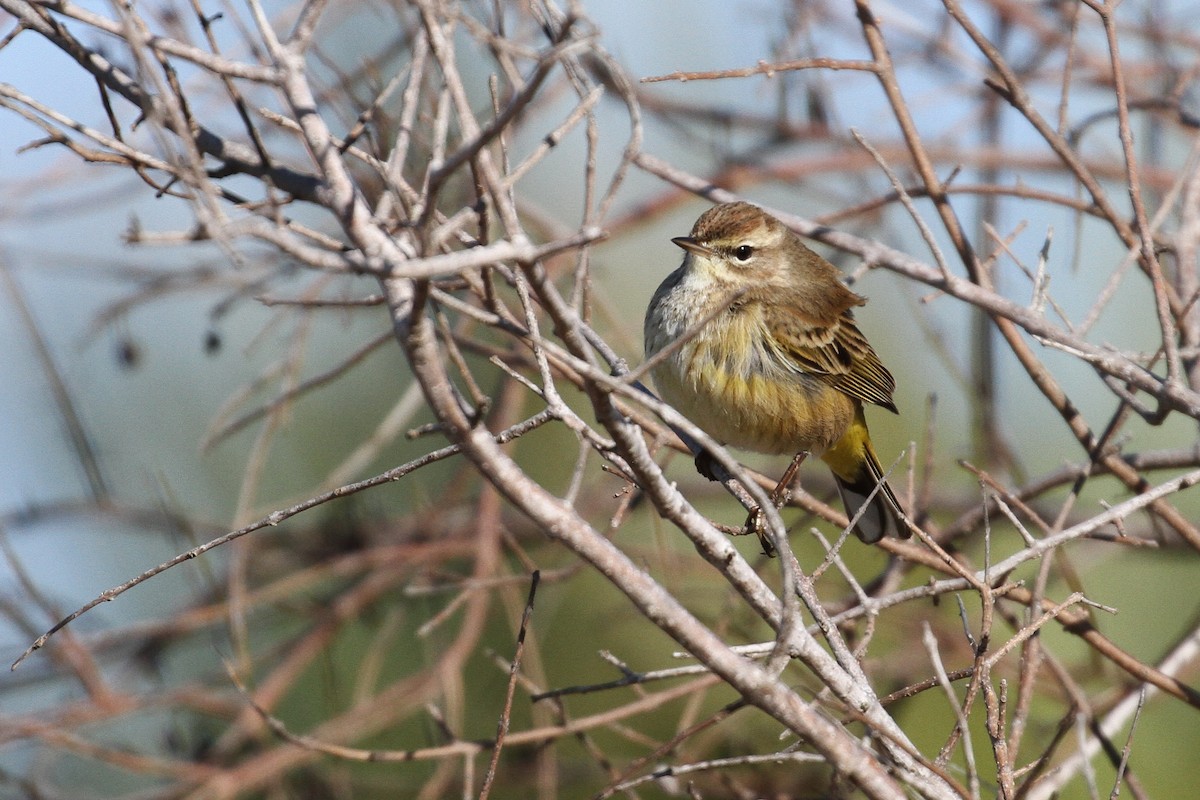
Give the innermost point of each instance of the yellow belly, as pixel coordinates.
(726, 377)
(754, 409)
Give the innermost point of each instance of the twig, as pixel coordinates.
(272, 520)
(514, 670)
(767, 69)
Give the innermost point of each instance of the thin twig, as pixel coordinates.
(514, 669)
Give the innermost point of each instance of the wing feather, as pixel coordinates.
(836, 353)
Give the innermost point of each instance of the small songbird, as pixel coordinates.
(767, 356)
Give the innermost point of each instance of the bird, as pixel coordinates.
(759, 348)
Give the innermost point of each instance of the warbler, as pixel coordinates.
(767, 356)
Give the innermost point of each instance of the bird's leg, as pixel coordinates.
(779, 496)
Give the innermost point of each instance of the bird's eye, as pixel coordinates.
(743, 252)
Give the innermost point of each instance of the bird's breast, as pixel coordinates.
(726, 378)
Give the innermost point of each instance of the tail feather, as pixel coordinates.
(880, 515)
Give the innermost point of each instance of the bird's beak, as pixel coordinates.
(691, 245)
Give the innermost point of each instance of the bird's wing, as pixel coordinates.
(836, 353)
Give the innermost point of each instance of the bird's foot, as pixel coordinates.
(756, 523)
(706, 465)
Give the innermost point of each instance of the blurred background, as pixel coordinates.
(157, 392)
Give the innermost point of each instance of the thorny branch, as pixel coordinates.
(411, 178)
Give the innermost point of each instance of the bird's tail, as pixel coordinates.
(880, 515)
(859, 476)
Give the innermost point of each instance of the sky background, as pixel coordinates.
(61, 230)
(147, 384)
